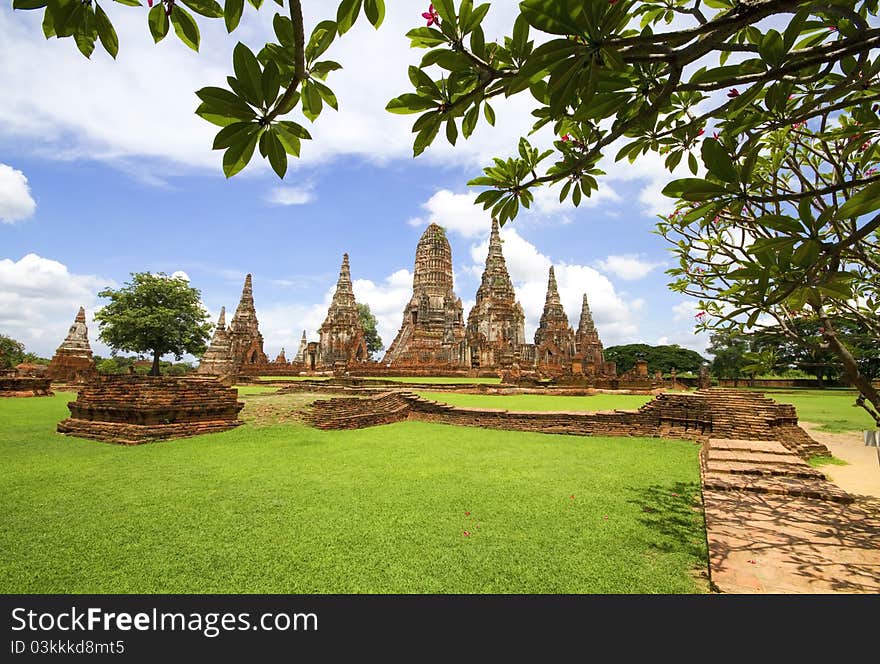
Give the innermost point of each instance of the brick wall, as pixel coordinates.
(696, 416)
(20, 386)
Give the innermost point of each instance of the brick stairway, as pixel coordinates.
(763, 466)
(774, 524)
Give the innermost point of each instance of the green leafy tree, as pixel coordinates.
(729, 351)
(155, 314)
(11, 352)
(659, 358)
(784, 228)
(368, 323)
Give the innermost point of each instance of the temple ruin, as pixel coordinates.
(433, 336)
(554, 338)
(342, 339)
(240, 344)
(73, 361)
(432, 333)
(589, 358)
(496, 325)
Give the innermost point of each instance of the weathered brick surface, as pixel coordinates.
(358, 412)
(139, 409)
(697, 416)
(20, 386)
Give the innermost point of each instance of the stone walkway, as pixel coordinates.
(776, 525)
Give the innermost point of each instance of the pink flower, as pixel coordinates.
(821, 330)
(700, 315)
(871, 171)
(565, 138)
(674, 494)
(701, 132)
(733, 92)
(467, 533)
(432, 16)
(832, 28)
(715, 135)
(150, 3)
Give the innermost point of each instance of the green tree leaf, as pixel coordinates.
(867, 200)
(208, 8)
(718, 162)
(159, 23)
(106, 32)
(239, 154)
(410, 103)
(185, 26)
(375, 11)
(232, 11)
(347, 14)
(248, 72)
(558, 17)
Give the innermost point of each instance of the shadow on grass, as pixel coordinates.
(674, 515)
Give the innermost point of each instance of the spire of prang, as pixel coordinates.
(245, 318)
(586, 325)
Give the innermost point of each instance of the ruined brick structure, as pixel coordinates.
(342, 339)
(303, 346)
(714, 413)
(12, 385)
(73, 361)
(239, 345)
(496, 324)
(140, 409)
(432, 333)
(244, 331)
(589, 356)
(554, 338)
(217, 360)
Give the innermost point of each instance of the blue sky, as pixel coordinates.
(105, 170)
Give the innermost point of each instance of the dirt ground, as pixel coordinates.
(861, 475)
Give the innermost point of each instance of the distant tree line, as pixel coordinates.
(770, 351)
(659, 358)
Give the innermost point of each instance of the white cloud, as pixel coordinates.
(16, 202)
(628, 267)
(66, 102)
(456, 213)
(291, 195)
(39, 298)
(686, 310)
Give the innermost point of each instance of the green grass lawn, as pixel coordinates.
(280, 508)
(834, 409)
(541, 402)
(292, 378)
(250, 390)
(438, 380)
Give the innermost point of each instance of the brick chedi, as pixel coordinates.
(244, 331)
(303, 347)
(432, 333)
(589, 358)
(554, 338)
(73, 361)
(342, 339)
(496, 324)
(217, 360)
